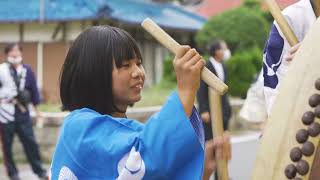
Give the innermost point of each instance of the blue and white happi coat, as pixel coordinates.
(92, 146)
(300, 17)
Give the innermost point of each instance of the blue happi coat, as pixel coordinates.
(92, 146)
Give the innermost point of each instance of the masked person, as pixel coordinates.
(278, 54)
(18, 89)
(218, 54)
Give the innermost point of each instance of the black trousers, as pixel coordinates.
(208, 129)
(22, 125)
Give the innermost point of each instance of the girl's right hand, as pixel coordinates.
(188, 65)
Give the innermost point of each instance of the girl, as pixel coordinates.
(102, 76)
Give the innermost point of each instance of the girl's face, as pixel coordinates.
(127, 83)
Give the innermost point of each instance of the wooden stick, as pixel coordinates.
(282, 22)
(316, 6)
(167, 41)
(217, 129)
(315, 173)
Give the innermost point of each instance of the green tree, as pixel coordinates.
(242, 28)
(242, 70)
(252, 4)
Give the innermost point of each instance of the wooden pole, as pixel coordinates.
(206, 75)
(316, 6)
(282, 22)
(217, 129)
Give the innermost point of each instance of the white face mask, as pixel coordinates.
(226, 55)
(16, 60)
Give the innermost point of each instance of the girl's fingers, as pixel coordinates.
(188, 55)
(182, 51)
(193, 60)
(199, 65)
(218, 146)
(210, 149)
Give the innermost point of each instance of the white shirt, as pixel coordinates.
(254, 107)
(8, 91)
(218, 67)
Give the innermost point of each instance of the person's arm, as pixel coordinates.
(178, 138)
(35, 96)
(202, 96)
(176, 131)
(210, 163)
(203, 102)
(217, 148)
(274, 67)
(188, 65)
(34, 91)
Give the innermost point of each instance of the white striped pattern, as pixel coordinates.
(8, 91)
(66, 174)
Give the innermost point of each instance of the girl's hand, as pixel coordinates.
(188, 65)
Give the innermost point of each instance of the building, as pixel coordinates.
(46, 28)
(208, 8)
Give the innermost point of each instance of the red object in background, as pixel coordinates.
(210, 8)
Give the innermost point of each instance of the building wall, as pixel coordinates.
(153, 55)
(9, 32)
(35, 32)
(45, 53)
(53, 57)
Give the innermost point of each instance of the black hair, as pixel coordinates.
(9, 46)
(214, 47)
(86, 76)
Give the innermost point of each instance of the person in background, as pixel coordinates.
(218, 52)
(278, 54)
(18, 89)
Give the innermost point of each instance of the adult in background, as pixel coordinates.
(17, 91)
(218, 52)
(278, 54)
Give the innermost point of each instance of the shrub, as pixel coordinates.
(169, 74)
(242, 28)
(242, 70)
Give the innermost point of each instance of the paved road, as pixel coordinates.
(244, 150)
(240, 167)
